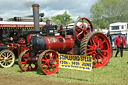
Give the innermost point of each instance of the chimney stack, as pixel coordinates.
(36, 16)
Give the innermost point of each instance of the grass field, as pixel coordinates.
(115, 73)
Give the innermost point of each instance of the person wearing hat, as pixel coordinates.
(120, 44)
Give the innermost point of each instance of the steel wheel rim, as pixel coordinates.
(100, 49)
(49, 62)
(7, 59)
(24, 64)
(81, 31)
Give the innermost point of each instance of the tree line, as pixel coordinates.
(103, 13)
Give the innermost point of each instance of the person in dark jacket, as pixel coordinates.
(120, 44)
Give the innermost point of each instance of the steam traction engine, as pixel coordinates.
(81, 40)
(10, 50)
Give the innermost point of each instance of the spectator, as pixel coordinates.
(120, 44)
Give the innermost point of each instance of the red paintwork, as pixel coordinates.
(19, 47)
(1, 43)
(101, 42)
(27, 64)
(48, 68)
(81, 31)
(21, 41)
(29, 36)
(54, 43)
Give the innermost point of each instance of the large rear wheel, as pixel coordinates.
(97, 45)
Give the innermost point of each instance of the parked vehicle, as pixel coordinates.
(79, 40)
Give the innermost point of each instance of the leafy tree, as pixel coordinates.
(45, 19)
(64, 19)
(105, 12)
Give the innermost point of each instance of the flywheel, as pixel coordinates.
(82, 27)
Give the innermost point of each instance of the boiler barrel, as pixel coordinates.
(59, 43)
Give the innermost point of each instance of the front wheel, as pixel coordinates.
(48, 62)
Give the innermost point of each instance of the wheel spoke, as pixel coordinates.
(93, 56)
(46, 68)
(10, 57)
(78, 30)
(79, 34)
(24, 65)
(3, 55)
(45, 57)
(91, 41)
(50, 54)
(95, 60)
(102, 55)
(9, 61)
(105, 51)
(88, 26)
(53, 68)
(43, 64)
(55, 65)
(94, 42)
(8, 54)
(55, 60)
(102, 42)
(101, 47)
(90, 52)
(25, 59)
(89, 49)
(90, 46)
(23, 62)
(83, 23)
(2, 60)
(30, 66)
(5, 63)
(79, 27)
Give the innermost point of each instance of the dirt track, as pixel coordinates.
(11, 79)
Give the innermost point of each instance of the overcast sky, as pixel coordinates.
(21, 8)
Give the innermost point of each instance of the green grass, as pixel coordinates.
(115, 73)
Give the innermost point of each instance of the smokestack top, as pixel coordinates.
(35, 6)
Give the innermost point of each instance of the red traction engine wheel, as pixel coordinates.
(48, 62)
(26, 63)
(81, 28)
(97, 45)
